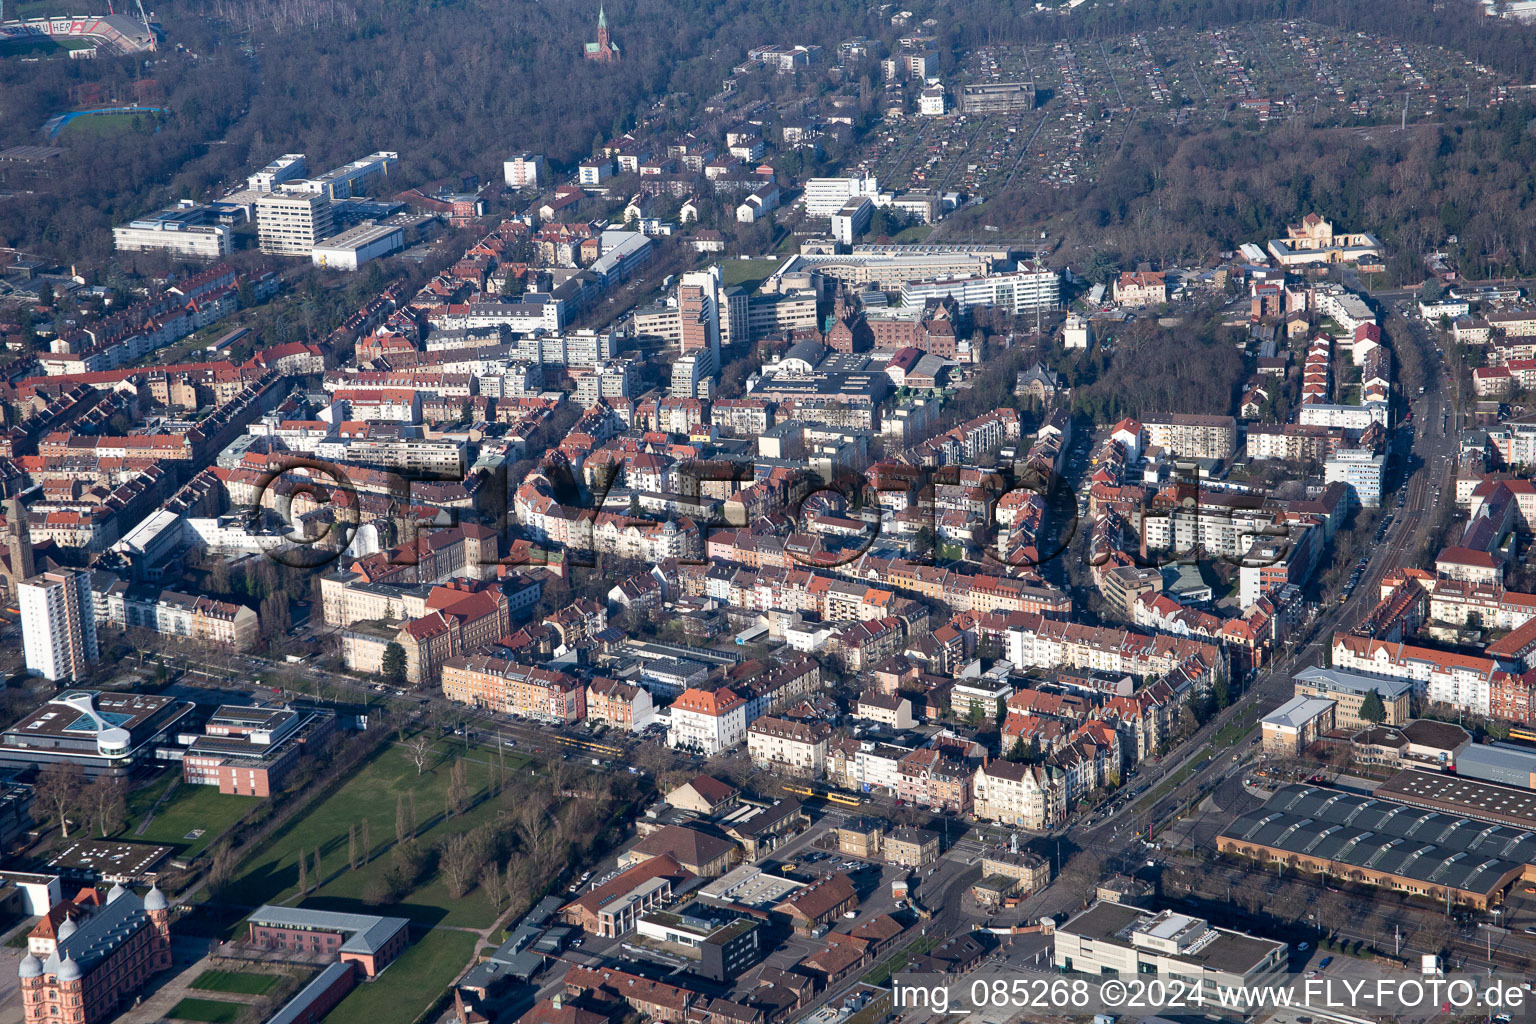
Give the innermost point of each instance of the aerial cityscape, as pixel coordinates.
(767, 514)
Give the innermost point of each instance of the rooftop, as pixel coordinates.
(368, 934)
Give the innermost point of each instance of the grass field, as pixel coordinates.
(215, 1011)
(372, 791)
(410, 984)
(747, 273)
(189, 808)
(33, 47)
(236, 981)
(913, 234)
(99, 125)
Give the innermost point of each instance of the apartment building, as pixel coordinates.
(708, 721)
(621, 705)
(1140, 288)
(1193, 436)
(58, 624)
(510, 688)
(1461, 681)
(788, 746)
(1032, 796)
(170, 614)
(1362, 470)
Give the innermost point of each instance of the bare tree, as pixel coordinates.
(401, 831)
(367, 844)
(419, 747)
(107, 799)
(494, 885)
(461, 858)
(303, 872)
(59, 787)
(352, 847)
(458, 791)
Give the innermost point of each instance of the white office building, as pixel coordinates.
(285, 168)
(58, 624)
(351, 249)
(1022, 291)
(1361, 469)
(177, 236)
(852, 220)
(290, 225)
(1112, 938)
(826, 196)
(345, 181)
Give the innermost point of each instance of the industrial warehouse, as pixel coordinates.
(1360, 839)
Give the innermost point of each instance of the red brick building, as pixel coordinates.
(370, 942)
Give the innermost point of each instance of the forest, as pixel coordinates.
(456, 85)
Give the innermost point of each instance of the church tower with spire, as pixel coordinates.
(604, 50)
(18, 545)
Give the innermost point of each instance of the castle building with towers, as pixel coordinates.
(99, 960)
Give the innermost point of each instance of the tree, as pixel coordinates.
(458, 792)
(303, 872)
(1372, 709)
(45, 294)
(59, 787)
(419, 747)
(367, 845)
(352, 847)
(392, 666)
(1018, 752)
(460, 859)
(401, 832)
(107, 801)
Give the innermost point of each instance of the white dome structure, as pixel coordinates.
(67, 928)
(155, 899)
(30, 967)
(68, 969)
(116, 891)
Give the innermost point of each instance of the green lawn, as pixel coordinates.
(215, 1011)
(98, 125)
(188, 809)
(372, 792)
(747, 273)
(914, 233)
(409, 985)
(236, 981)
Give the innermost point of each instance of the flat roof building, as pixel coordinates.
(291, 225)
(181, 230)
(103, 733)
(1112, 938)
(356, 246)
(1349, 690)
